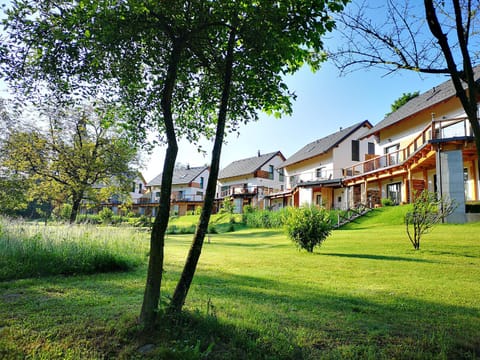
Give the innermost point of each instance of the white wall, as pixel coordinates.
(252, 182)
(342, 155)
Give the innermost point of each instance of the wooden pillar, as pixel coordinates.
(475, 179)
(409, 195)
(365, 194)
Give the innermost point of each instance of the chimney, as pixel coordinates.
(258, 153)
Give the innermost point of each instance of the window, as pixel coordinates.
(319, 200)
(293, 181)
(371, 148)
(270, 172)
(201, 182)
(393, 193)
(281, 174)
(392, 154)
(140, 188)
(320, 173)
(157, 195)
(133, 187)
(355, 150)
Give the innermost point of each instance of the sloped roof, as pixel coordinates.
(180, 176)
(324, 144)
(435, 95)
(247, 166)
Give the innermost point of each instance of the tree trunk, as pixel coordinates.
(77, 199)
(151, 296)
(468, 98)
(183, 285)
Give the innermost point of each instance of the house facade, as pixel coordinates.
(425, 144)
(187, 195)
(248, 181)
(118, 203)
(314, 173)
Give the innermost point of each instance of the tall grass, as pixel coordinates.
(32, 250)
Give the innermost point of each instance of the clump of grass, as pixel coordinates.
(33, 250)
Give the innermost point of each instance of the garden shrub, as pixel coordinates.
(106, 215)
(62, 212)
(265, 218)
(308, 226)
(387, 202)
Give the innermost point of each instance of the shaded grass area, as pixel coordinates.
(32, 250)
(364, 294)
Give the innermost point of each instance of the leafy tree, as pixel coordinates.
(308, 226)
(428, 210)
(265, 40)
(402, 100)
(78, 150)
(439, 37)
(170, 64)
(13, 193)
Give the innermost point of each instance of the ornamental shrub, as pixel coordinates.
(106, 215)
(308, 226)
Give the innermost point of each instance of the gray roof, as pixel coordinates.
(437, 94)
(247, 166)
(180, 176)
(323, 145)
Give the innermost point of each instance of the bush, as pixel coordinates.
(143, 221)
(105, 215)
(308, 226)
(62, 212)
(387, 202)
(265, 218)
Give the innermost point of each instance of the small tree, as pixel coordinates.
(428, 210)
(308, 226)
(228, 207)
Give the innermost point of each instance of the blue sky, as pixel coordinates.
(324, 103)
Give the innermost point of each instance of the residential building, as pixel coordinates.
(248, 181)
(426, 144)
(115, 201)
(314, 173)
(188, 191)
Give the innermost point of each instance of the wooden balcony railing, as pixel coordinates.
(437, 129)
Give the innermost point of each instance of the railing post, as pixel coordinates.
(434, 133)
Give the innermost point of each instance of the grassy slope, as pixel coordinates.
(365, 294)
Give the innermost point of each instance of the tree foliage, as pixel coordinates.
(402, 100)
(77, 149)
(428, 210)
(181, 68)
(308, 226)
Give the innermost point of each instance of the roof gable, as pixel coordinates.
(248, 165)
(180, 176)
(435, 95)
(323, 145)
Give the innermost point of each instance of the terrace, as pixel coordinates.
(420, 151)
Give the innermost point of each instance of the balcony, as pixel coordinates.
(437, 130)
(239, 190)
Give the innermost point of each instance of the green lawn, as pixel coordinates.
(364, 294)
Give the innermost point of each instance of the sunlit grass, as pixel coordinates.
(365, 293)
(32, 249)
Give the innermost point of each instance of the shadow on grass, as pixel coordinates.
(252, 235)
(275, 320)
(451, 253)
(377, 257)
